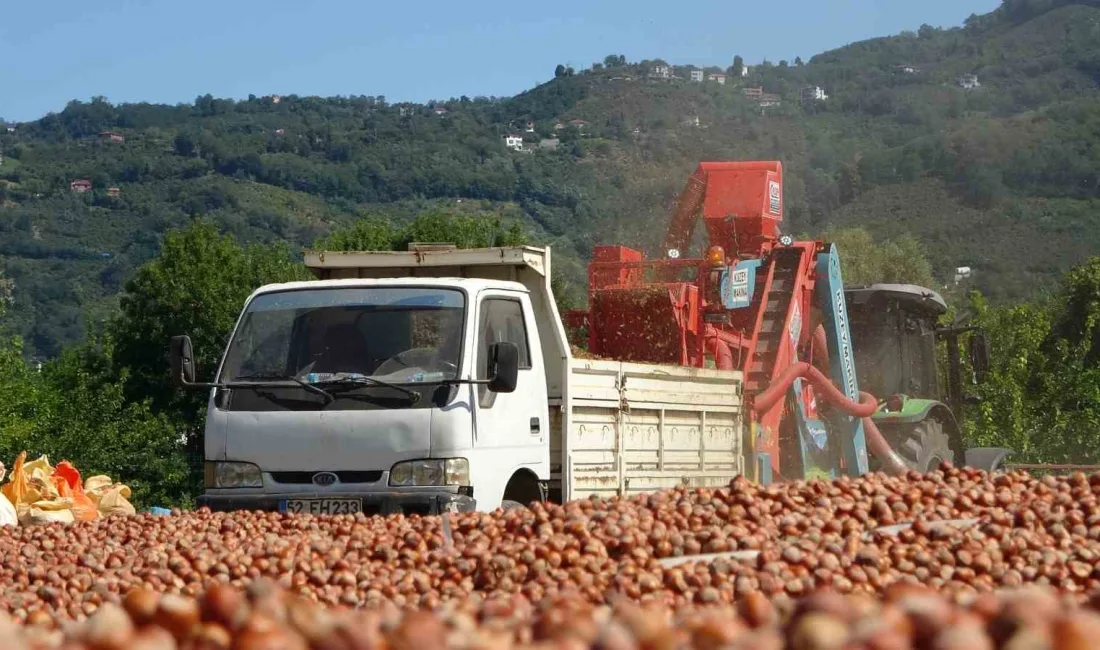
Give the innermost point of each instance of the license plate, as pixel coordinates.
(322, 506)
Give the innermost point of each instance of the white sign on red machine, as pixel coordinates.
(774, 193)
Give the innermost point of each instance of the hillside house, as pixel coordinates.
(280, 131)
(11, 129)
(439, 110)
(768, 99)
(275, 99)
(814, 94)
(968, 81)
(692, 120)
(114, 192)
(717, 76)
(697, 76)
(744, 71)
(962, 273)
(580, 124)
(530, 128)
(907, 69)
(112, 136)
(661, 72)
(752, 93)
(80, 186)
(514, 142)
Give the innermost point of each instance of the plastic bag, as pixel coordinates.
(18, 489)
(47, 512)
(8, 516)
(110, 498)
(67, 480)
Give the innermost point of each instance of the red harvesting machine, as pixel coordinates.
(756, 301)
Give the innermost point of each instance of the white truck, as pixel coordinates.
(441, 380)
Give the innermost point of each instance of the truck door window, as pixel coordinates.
(501, 320)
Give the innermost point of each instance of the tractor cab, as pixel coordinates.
(895, 333)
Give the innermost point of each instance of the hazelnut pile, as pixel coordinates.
(779, 541)
(264, 617)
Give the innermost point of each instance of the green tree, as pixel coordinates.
(866, 261)
(71, 412)
(368, 234)
(196, 285)
(738, 67)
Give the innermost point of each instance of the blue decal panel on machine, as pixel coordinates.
(738, 283)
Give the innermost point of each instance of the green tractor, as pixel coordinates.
(896, 340)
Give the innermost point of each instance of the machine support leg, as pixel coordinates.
(830, 298)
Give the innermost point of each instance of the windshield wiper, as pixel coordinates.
(363, 380)
(267, 379)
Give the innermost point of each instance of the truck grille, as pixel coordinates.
(300, 478)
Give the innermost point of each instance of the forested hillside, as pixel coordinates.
(1002, 177)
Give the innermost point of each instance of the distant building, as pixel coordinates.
(717, 76)
(530, 128)
(968, 81)
(112, 136)
(439, 110)
(11, 129)
(962, 273)
(662, 72)
(580, 124)
(275, 99)
(690, 121)
(280, 131)
(908, 69)
(752, 92)
(814, 93)
(114, 191)
(768, 99)
(697, 76)
(514, 142)
(80, 185)
(744, 71)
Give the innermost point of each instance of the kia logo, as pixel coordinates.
(324, 478)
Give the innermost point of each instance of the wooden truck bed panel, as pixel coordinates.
(630, 428)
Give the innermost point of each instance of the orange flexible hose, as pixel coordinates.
(864, 408)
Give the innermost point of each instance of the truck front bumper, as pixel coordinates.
(374, 503)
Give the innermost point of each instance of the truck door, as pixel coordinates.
(511, 429)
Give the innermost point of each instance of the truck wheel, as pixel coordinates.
(925, 445)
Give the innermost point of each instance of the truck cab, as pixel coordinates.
(348, 395)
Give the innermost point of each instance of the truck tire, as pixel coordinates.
(924, 445)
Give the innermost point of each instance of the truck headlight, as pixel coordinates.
(437, 472)
(232, 475)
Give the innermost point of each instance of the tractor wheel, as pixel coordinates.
(924, 445)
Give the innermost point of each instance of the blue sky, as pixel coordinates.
(159, 51)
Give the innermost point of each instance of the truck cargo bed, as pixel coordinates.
(630, 427)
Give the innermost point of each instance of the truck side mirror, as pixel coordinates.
(504, 366)
(979, 355)
(183, 365)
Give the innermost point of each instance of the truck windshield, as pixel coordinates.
(394, 334)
